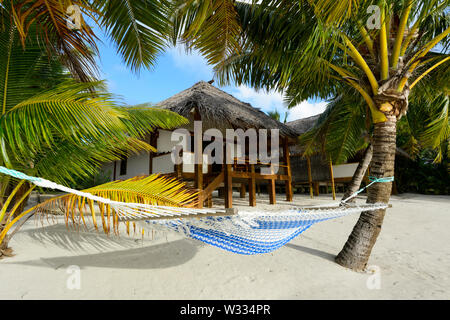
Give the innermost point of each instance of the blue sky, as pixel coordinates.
(175, 71)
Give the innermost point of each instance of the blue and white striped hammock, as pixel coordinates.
(255, 232)
(251, 232)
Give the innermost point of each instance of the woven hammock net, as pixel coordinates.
(253, 232)
(247, 233)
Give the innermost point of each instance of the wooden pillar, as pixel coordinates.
(198, 166)
(243, 191)
(228, 186)
(287, 160)
(115, 171)
(153, 141)
(272, 190)
(308, 161)
(252, 187)
(333, 190)
(179, 171)
(316, 188)
(209, 201)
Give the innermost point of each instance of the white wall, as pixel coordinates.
(346, 170)
(188, 162)
(163, 164)
(164, 143)
(137, 165)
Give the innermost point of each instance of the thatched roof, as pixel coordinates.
(303, 125)
(221, 110)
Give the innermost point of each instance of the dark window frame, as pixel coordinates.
(123, 167)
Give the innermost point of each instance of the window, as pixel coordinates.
(123, 167)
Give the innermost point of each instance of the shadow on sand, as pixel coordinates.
(127, 253)
(314, 252)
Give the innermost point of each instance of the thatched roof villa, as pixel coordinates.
(220, 110)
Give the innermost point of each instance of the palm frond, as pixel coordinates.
(68, 110)
(340, 131)
(437, 132)
(85, 159)
(137, 27)
(143, 118)
(151, 190)
(212, 27)
(47, 20)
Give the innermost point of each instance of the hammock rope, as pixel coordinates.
(248, 232)
(374, 180)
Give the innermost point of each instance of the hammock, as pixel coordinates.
(255, 232)
(244, 233)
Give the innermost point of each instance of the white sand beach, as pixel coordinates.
(412, 254)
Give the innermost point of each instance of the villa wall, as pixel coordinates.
(138, 165)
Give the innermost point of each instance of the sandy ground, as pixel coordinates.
(412, 257)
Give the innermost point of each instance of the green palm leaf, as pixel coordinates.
(138, 28)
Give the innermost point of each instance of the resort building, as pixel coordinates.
(317, 171)
(214, 114)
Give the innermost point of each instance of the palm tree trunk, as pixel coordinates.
(358, 247)
(357, 178)
(23, 189)
(4, 250)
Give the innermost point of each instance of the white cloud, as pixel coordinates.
(269, 101)
(191, 62)
(306, 109)
(264, 100)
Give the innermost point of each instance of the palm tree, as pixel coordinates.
(54, 127)
(324, 48)
(275, 114)
(138, 29)
(340, 132)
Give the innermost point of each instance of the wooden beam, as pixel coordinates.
(252, 187)
(287, 160)
(272, 190)
(214, 184)
(209, 202)
(153, 141)
(243, 191)
(308, 161)
(179, 171)
(228, 187)
(316, 189)
(259, 176)
(333, 189)
(198, 166)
